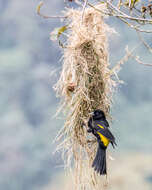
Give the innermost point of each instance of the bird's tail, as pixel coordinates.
(99, 163)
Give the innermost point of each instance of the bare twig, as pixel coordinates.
(135, 27)
(130, 53)
(101, 11)
(144, 42)
(115, 12)
(119, 4)
(84, 6)
(45, 16)
(124, 15)
(142, 63)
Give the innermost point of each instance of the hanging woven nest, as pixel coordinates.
(85, 84)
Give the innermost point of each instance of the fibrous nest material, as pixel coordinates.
(85, 84)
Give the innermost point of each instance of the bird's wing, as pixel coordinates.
(106, 123)
(103, 123)
(104, 131)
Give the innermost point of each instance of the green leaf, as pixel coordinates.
(39, 7)
(61, 30)
(55, 34)
(131, 3)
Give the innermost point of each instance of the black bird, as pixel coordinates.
(99, 126)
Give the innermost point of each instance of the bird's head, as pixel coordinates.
(98, 114)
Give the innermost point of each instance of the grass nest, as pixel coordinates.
(85, 84)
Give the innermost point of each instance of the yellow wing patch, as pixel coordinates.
(100, 126)
(103, 139)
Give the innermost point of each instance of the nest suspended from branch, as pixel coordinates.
(84, 85)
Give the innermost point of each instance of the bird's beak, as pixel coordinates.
(91, 113)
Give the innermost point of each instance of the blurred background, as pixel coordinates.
(27, 103)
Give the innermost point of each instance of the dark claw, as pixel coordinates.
(89, 130)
